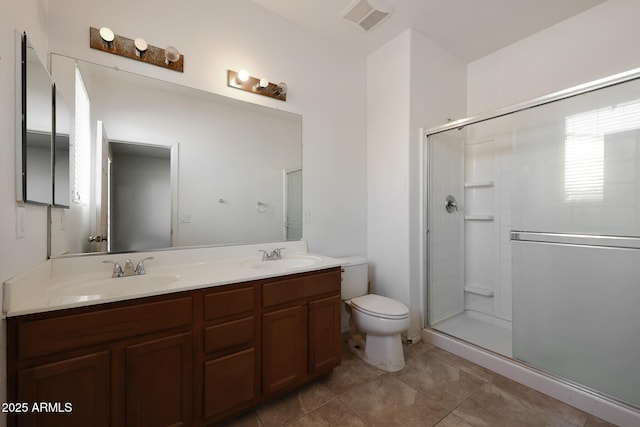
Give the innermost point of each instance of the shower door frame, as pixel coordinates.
(426, 158)
(602, 83)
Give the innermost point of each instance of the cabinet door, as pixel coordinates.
(284, 346)
(229, 382)
(324, 334)
(72, 392)
(159, 382)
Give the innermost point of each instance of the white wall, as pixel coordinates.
(596, 43)
(388, 139)
(326, 86)
(17, 255)
(411, 83)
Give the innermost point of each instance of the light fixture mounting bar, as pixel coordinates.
(125, 47)
(252, 85)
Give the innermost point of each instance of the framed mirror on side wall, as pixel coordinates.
(34, 143)
(168, 166)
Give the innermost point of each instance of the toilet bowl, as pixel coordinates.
(376, 322)
(381, 320)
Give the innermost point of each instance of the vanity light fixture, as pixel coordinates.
(262, 86)
(105, 40)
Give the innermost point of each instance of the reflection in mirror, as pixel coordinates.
(237, 179)
(62, 131)
(36, 142)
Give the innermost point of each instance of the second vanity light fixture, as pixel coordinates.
(105, 40)
(243, 81)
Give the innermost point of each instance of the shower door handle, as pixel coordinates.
(450, 204)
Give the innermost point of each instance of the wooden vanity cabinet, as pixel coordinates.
(126, 363)
(300, 329)
(191, 358)
(231, 362)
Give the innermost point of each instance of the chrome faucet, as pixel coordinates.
(117, 269)
(128, 270)
(274, 255)
(140, 267)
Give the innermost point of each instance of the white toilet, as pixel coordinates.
(376, 321)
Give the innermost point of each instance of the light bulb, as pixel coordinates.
(171, 54)
(262, 83)
(243, 76)
(281, 89)
(140, 44)
(106, 34)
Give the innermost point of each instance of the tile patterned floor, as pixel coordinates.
(436, 388)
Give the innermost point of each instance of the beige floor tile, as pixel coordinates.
(295, 404)
(441, 382)
(541, 401)
(597, 422)
(415, 350)
(462, 364)
(334, 413)
(351, 373)
(453, 421)
(387, 402)
(358, 394)
(493, 406)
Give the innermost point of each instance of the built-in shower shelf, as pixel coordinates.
(478, 290)
(479, 217)
(476, 184)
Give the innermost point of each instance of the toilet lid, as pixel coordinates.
(380, 306)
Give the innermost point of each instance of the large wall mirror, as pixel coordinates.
(34, 143)
(155, 165)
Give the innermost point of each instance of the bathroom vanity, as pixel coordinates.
(193, 356)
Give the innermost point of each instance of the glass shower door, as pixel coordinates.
(576, 239)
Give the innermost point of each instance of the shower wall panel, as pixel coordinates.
(488, 183)
(445, 268)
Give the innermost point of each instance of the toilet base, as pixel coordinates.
(384, 352)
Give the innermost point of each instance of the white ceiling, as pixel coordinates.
(470, 29)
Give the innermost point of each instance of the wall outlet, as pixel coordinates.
(306, 216)
(185, 218)
(20, 214)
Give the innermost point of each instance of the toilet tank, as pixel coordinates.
(355, 277)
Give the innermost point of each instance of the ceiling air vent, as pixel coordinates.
(366, 14)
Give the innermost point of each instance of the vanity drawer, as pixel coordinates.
(229, 335)
(219, 305)
(300, 287)
(100, 325)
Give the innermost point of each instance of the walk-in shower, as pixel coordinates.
(533, 248)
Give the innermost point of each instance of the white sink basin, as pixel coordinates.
(108, 287)
(298, 261)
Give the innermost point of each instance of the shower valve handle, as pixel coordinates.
(450, 204)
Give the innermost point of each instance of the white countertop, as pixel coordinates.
(81, 281)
